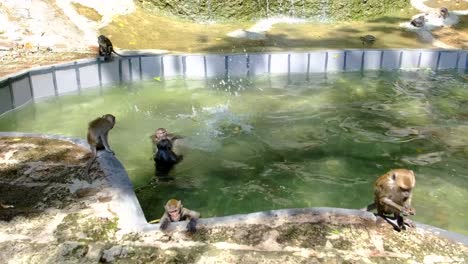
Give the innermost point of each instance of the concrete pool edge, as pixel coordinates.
(132, 219)
(26, 86)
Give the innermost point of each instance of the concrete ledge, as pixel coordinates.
(132, 219)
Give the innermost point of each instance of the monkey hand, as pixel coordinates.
(408, 211)
(164, 225)
(191, 226)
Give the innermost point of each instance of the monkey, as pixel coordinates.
(98, 131)
(443, 12)
(418, 22)
(392, 194)
(106, 48)
(174, 211)
(165, 158)
(161, 133)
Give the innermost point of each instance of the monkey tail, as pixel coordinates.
(88, 166)
(118, 54)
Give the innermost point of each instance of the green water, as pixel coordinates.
(279, 142)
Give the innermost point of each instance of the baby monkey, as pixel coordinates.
(175, 212)
(392, 195)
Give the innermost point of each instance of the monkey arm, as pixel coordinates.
(389, 202)
(165, 221)
(189, 214)
(106, 143)
(193, 216)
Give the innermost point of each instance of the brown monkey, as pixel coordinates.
(392, 194)
(97, 136)
(106, 48)
(175, 212)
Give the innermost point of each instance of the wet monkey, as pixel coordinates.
(165, 158)
(98, 133)
(174, 211)
(161, 133)
(392, 195)
(106, 48)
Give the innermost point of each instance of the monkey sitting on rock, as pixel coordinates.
(174, 211)
(392, 195)
(98, 133)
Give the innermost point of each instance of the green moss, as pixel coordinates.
(78, 227)
(252, 9)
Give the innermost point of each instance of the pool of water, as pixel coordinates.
(282, 141)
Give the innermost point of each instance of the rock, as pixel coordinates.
(74, 249)
(113, 252)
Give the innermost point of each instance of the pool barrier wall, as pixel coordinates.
(23, 87)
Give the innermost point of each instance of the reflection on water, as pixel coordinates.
(282, 142)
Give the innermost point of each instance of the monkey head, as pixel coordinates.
(161, 133)
(173, 208)
(405, 181)
(109, 118)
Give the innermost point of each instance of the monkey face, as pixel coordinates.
(174, 215)
(161, 133)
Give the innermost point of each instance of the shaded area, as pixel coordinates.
(40, 168)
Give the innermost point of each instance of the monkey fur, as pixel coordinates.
(98, 131)
(392, 195)
(106, 48)
(174, 211)
(165, 158)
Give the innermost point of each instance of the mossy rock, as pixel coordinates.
(337, 10)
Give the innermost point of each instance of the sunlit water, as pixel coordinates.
(282, 142)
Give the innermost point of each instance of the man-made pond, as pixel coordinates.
(282, 141)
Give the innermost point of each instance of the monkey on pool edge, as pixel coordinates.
(106, 48)
(392, 195)
(174, 211)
